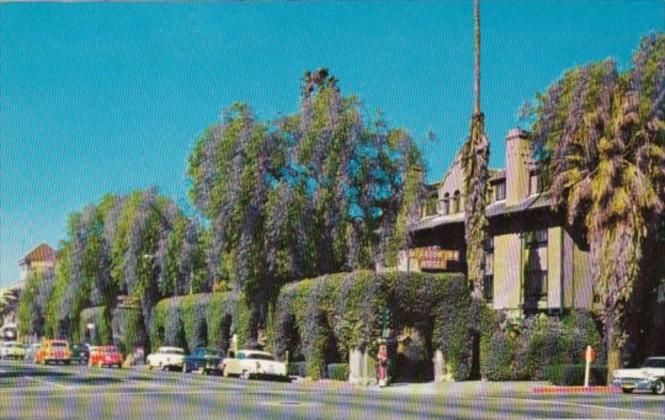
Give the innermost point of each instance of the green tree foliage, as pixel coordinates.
(312, 193)
(601, 135)
(140, 244)
(32, 307)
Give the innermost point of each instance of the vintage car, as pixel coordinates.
(105, 356)
(203, 360)
(53, 351)
(12, 350)
(80, 353)
(249, 364)
(650, 377)
(166, 358)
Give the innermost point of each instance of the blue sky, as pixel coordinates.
(98, 98)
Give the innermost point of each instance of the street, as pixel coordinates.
(69, 392)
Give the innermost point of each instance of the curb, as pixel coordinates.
(576, 390)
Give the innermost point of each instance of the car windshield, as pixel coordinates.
(209, 352)
(655, 363)
(173, 351)
(58, 344)
(110, 349)
(260, 356)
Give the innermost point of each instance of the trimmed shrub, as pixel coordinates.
(574, 374)
(338, 371)
(345, 308)
(521, 349)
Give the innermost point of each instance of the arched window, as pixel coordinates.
(446, 204)
(456, 202)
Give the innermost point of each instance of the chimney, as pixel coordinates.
(518, 156)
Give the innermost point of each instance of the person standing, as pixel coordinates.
(382, 368)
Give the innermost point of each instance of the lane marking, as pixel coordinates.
(592, 406)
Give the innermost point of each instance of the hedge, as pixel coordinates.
(521, 349)
(345, 309)
(574, 374)
(204, 319)
(338, 371)
(296, 369)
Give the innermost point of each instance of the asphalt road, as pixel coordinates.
(73, 392)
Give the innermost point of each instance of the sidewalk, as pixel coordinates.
(485, 388)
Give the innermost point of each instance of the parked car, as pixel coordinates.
(80, 353)
(54, 351)
(650, 377)
(12, 350)
(203, 360)
(166, 358)
(31, 353)
(105, 356)
(249, 364)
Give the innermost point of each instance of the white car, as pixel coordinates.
(650, 377)
(166, 358)
(253, 364)
(12, 350)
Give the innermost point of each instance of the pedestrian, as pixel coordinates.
(382, 368)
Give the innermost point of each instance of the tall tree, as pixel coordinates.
(602, 138)
(303, 195)
(475, 161)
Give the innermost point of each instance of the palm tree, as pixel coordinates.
(475, 158)
(603, 134)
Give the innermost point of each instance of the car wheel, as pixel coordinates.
(659, 388)
(626, 390)
(245, 374)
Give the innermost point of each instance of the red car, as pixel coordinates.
(105, 356)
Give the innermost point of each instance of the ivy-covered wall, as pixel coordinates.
(346, 309)
(522, 349)
(204, 319)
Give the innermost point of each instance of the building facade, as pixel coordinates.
(38, 260)
(534, 263)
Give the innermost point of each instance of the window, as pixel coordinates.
(500, 190)
(488, 287)
(430, 206)
(535, 285)
(456, 202)
(536, 238)
(446, 203)
(535, 183)
(488, 278)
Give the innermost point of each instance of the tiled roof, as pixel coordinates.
(43, 252)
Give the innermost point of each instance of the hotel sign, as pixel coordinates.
(433, 257)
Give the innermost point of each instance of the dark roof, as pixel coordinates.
(495, 209)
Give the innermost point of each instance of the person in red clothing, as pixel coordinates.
(382, 368)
